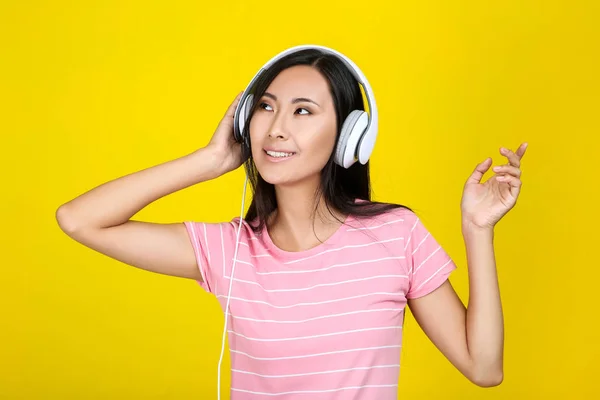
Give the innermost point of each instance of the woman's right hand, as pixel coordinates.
(227, 152)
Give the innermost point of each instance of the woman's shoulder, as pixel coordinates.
(380, 214)
(226, 228)
(382, 210)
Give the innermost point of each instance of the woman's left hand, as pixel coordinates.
(484, 204)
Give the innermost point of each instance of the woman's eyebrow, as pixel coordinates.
(294, 101)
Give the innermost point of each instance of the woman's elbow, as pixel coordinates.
(487, 379)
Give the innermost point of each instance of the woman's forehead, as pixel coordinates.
(300, 81)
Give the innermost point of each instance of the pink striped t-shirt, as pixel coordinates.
(324, 323)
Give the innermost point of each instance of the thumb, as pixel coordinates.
(229, 114)
(480, 170)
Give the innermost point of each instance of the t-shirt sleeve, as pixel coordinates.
(212, 244)
(429, 264)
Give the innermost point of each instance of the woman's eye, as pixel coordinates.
(303, 109)
(265, 106)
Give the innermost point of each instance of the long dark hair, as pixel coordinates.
(339, 187)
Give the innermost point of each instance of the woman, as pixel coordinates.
(322, 274)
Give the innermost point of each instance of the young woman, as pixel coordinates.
(321, 274)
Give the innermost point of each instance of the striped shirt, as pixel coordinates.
(325, 323)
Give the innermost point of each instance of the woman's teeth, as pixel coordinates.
(279, 154)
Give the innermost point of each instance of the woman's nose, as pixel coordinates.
(276, 134)
(278, 128)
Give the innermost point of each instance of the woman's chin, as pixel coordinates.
(277, 179)
(289, 180)
(284, 175)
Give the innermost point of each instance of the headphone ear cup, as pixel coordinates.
(352, 130)
(244, 112)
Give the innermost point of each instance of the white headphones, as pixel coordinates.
(359, 130)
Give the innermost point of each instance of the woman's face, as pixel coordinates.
(293, 130)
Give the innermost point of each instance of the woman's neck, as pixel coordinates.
(301, 221)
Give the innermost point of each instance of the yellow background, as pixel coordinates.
(93, 90)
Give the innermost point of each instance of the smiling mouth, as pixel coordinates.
(278, 154)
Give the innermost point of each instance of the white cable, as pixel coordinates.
(237, 241)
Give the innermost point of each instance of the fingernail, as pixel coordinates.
(496, 168)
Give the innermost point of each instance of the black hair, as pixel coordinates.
(339, 187)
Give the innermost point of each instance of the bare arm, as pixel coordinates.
(101, 218)
(471, 338)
